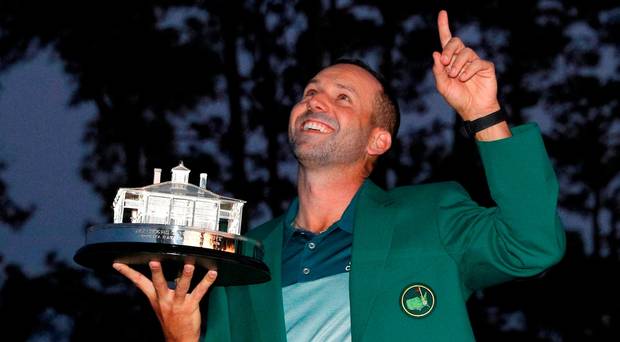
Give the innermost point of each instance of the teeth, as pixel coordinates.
(315, 126)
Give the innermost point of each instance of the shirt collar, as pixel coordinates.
(345, 222)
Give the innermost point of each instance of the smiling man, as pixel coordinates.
(331, 125)
(351, 261)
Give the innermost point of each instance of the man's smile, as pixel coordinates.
(315, 126)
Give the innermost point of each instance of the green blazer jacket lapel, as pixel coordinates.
(267, 298)
(371, 243)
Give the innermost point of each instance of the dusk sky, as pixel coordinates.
(40, 141)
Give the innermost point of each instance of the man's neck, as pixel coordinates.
(324, 195)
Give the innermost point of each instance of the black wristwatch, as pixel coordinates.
(470, 128)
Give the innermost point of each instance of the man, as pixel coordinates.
(351, 261)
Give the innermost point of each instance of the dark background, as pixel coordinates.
(212, 82)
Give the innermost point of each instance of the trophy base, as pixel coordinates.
(231, 269)
(237, 259)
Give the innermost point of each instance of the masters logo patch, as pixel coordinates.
(417, 300)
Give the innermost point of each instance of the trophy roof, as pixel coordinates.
(184, 189)
(180, 167)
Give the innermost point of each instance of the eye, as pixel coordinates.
(344, 97)
(310, 92)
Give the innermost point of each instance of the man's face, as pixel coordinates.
(332, 122)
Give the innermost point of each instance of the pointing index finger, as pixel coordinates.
(444, 28)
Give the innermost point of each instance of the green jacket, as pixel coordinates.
(431, 234)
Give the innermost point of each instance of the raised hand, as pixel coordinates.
(177, 310)
(467, 82)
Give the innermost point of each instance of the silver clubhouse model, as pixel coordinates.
(176, 222)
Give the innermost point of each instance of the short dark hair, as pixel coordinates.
(386, 113)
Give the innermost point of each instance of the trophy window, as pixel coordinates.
(182, 212)
(223, 225)
(205, 215)
(157, 210)
(130, 215)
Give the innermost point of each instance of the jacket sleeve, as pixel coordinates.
(522, 235)
(218, 324)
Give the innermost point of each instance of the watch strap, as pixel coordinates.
(470, 128)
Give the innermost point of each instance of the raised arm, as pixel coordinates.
(522, 235)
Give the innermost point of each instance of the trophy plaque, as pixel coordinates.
(176, 222)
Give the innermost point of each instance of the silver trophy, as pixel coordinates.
(176, 222)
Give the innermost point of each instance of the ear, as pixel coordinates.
(380, 142)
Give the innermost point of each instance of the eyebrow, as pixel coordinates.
(339, 85)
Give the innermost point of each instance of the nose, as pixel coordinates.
(316, 104)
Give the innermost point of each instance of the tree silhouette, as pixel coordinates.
(212, 83)
(585, 140)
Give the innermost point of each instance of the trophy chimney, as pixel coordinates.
(203, 180)
(156, 176)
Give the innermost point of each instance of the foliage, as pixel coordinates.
(211, 83)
